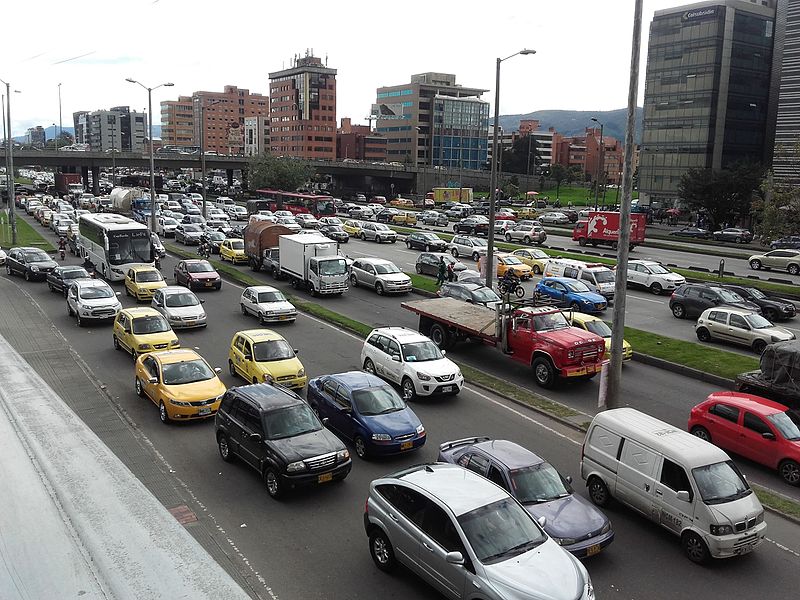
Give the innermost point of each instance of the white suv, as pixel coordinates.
(92, 299)
(653, 276)
(462, 245)
(411, 360)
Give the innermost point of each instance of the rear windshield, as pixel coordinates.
(199, 267)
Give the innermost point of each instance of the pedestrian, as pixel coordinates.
(451, 274)
(442, 272)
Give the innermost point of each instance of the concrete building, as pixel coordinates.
(177, 122)
(35, 136)
(433, 121)
(256, 135)
(359, 142)
(708, 91)
(303, 109)
(786, 153)
(118, 128)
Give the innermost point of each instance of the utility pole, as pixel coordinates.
(60, 127)
(614, 378)
(12, 219)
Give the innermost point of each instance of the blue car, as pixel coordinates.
(575, 524)
(571, 293)
(366, 410)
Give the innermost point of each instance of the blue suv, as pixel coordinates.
(571, 293)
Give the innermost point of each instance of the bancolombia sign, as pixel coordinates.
(702, 13)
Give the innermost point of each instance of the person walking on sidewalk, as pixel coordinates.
(442, 272)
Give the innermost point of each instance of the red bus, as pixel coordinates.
(319, 206)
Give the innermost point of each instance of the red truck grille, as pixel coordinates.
(587, 353)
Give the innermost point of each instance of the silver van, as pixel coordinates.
(685, 484)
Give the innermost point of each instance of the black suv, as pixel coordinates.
(472, 226)
(32, 263)
(430, 242)
(772, 307)
(385, 216)
(691, 299)
(274, 431)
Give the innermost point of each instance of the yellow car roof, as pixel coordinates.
(260, 335)
(177, 355)
(579, 317)
(140, 268)
(234, 240)
(140, 311)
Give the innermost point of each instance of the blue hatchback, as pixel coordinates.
(368, 411)
(571, 293)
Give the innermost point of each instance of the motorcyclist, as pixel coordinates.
(509, 281)
(62, 246)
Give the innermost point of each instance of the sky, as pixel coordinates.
(582, 60)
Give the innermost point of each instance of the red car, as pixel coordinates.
(197, 274)
(759, 429)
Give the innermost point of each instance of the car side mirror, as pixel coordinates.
(296, 351)
(683, 496)
(248, 357)
(126, 329)
(396, 357)
(444, 352)
(768, 435)
(202, 300)
(542, 521)
(152, 380)
(569, 478)
(256, 437)
(454, 558)
(217, 370)
(118, 293)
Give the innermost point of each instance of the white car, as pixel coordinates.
(238, 213)
(554, 217)
(653, 276)
(2, 256)
(218, 214)
(180, 307)
(283, 213)
(219, 225)
(174, 205)
(92, 300)
(379, 274)
(411, 360)
(166, 226)
(61, 225)
(306, 221)
(196, 198)
(268, 304)
(289, 223)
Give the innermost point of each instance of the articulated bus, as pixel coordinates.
(319, 206)
(114, 243)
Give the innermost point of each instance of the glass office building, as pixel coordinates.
(708, 89)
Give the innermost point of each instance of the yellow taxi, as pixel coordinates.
(142, 281)
(47, 217)
(261, 355)
(142, 330)
(526, 212)
(232, 249)
(509, 261)
(405, 218)
(533, 257)
(599, 327)
(352, 227)
(181, 383)
(402, 202)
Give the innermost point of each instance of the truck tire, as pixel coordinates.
(543, 372)
(581, 241)
(439, 336)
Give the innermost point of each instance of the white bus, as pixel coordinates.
(114, 243)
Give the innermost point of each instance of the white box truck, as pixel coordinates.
(313, 262)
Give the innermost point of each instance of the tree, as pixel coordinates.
(516, 159)
(278, 173)
(558, 173)
(777, 211)
(725, 194)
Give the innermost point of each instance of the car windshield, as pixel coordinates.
(377, 401)
(180, 299)
(381, 227)
(199, 267)
(386, 268)
(74, 273)
(334, 221)
(190, 371)
(333, 267)
(291, 421)
(192, 228)
(599, 328)
(334, 229)
(170, 221)
(577, 286)
(604, 276)
(500, 530)
(148, 277)
(272, 350)
(538, 483)
(658, 269)
(429, 237)
(32, 256)
(720, 482)
(485, 294)
(756, 293)
(95, 293)
(421, 351)
(216, 236)
(150, 324)
(728, 296)
(273, 296)
(512, 260)
(787, 423)
(478, 242)
(237, 244)
(550, 321)
(758, 322)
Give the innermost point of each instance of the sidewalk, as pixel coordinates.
(75, 520)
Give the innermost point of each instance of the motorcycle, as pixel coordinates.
(513, 287)
(62, 248)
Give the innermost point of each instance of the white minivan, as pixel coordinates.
(597, 276)
(685, 484)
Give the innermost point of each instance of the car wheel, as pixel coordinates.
(163, 414)
(537, 270)
(454, 252)
(739, 239)
(543, 372)
(134, 355)
(526, 239)
(381, 551)
(701, 432)
(755, 264)
(262, 318)
(378, 239)
(703, 334)
(139, 388)
(598, 492)
(408, 245)
(255, 380)
(379, 288)
(224, 448)
(409, 392)
(656, 288)
(793, 269)
(231, 368)
(8, 270)
(272, 481)
(694, 547)
(363, 237)
(427, 248)
(475, 256)
(678, 311)
(418, 269)
(116, 343)
(369, 366)
(360, 447)
(575, 306)
(27, 275)
(353, 280)
(759, 346)
(244, 310)
(50, 287)
(789, 470)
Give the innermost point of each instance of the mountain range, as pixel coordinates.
(574, 122)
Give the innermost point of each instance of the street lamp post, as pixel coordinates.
(152, 154)
(203, 146)
(600, 165)
(12, 220)
(493, 178)
(60, 127)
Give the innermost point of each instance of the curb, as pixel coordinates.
(684, 370)
(781, 514)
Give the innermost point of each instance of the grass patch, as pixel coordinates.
(360, 329)
(777, 502)
(423, 282)
(26, 235)
(697, 356)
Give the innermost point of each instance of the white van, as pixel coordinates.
(685, 484)
(595, 275)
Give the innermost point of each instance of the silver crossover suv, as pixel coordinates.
(461, 533)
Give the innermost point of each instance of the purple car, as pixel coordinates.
(573, 522)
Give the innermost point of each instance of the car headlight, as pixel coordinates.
(174, 343)
(268, 378)
(423, 376)
(144, 346)
(420, 429)
(343, 455)
(381, 437)
(296, 466)
(571, 354)
(179, 403)
(34, 268)
(775, 338)
(301, 373)
(721, 529)
(564, 541)
(606, 528)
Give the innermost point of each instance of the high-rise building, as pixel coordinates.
(35, 136)
(177, 122)
(708, 91)
(433, 121)
(359, 142)
(118, 128)
(256, 135)
(302, 102)
(786, 153)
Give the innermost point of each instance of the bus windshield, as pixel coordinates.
(129, 247)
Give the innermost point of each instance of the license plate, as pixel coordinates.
(283, 318)
(406, 445)
(190, 322)
(324, 477)
(209, 283)
(747, 548)
(447, 388)
(581, 371)
(204, 411)
(593, 549)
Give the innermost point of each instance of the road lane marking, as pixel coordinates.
(782, 547)
(632, 297)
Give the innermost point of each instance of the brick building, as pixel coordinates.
(177, 122)
(359, 142)
(584, 151)
(303, 110)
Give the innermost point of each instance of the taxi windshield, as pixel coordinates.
(600, 328)
(148, 276)
(184, 372)
(272, 350)
(150, 324)
(237, 244)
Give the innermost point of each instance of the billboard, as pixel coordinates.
(387, 111)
